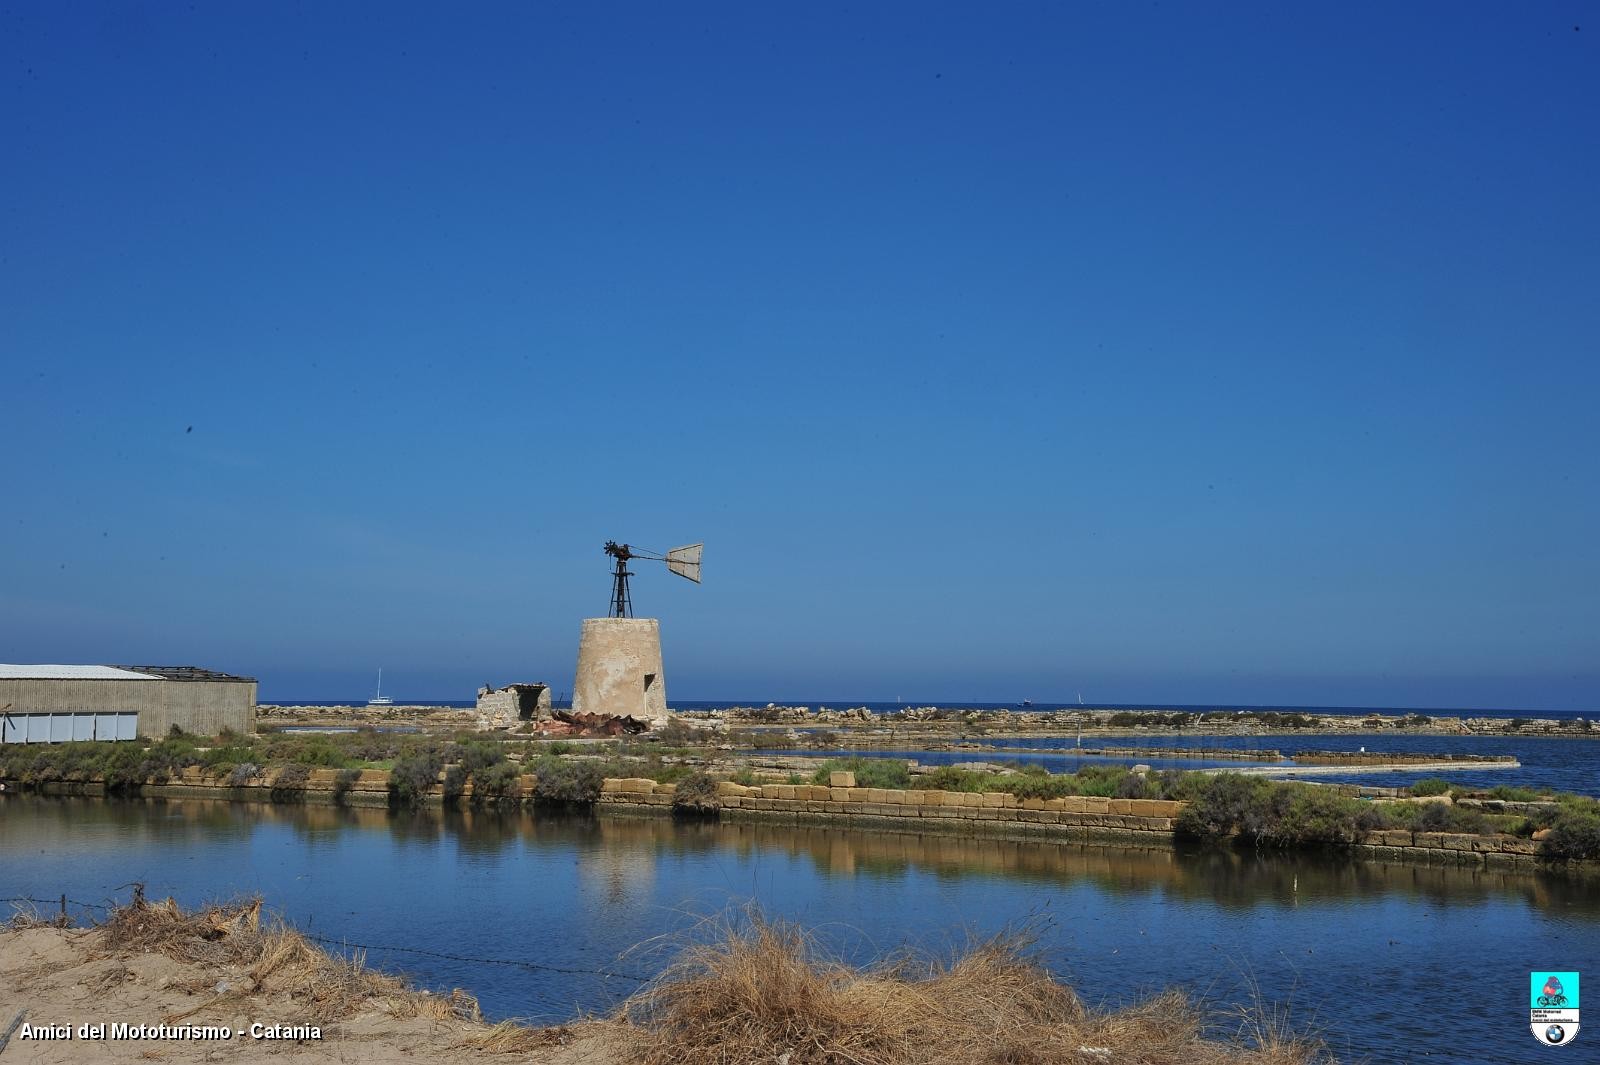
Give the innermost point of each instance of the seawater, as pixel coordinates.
(1040, 708)
(1569, 764)
(1390, 962)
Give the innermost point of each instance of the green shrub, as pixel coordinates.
(949, 778)
(1028, 785)
(290, 783)
(1221, 805)
(454, 784)
(1510, 793)
(696, 793)
(1430, 786)
(1574, 830)
(1303, 815)
(1272, 813)
(123, 768)
(1136, 786)
(1101, 780)
(745, 776)
(342, 783)
(568, 780)
(165, 759)
(499, 783)
(476, 756)
(413, 776)
(1438, 817)
(870, 772)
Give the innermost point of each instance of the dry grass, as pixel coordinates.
(509, 1037)
(275, 960)
(757, 993)
(764, 993)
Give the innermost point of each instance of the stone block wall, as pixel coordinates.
(1132, 820)
(1144, 822)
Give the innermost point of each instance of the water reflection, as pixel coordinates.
(578, 892)
(618, 854)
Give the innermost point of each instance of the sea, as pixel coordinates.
(1018, 707)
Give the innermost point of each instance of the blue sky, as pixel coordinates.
(1160, 352)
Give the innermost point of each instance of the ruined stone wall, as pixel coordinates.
(501, 707)
(497, 707)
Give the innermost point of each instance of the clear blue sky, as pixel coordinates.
(1170, 353)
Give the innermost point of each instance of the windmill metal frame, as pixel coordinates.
(684, 561)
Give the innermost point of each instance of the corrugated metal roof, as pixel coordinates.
(11, 672)
(185, 673)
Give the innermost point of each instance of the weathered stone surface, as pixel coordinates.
(842, 778)
(502, 707)
(619, 669)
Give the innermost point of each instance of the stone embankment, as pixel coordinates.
(933, 720)
(1074, 818)
(1390, 758)
(1300, 769)
(1137, 822)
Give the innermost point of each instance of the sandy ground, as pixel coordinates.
(66, 977)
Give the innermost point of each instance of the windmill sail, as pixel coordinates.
(685, 561)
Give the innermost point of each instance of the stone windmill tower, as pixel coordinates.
(619, 656)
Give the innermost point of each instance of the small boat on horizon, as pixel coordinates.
(380, 699)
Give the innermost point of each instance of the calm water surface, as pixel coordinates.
(1563, 763)
(1391, 962)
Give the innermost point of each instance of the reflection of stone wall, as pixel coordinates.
(1144, 822)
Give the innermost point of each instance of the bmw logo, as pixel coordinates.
(1554, 1034)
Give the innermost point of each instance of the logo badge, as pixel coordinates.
(1553, 1007)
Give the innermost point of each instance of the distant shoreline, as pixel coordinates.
(878, 708)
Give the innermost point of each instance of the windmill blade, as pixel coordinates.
(685, 561)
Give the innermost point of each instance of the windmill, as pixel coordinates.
(684, 561)
(619, 657)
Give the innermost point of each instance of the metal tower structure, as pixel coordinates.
(684, 561)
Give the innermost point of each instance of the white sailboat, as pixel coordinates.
(380, 699)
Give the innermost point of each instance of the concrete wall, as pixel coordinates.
(203, 707)
(619, 669)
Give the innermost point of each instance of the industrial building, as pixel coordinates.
(54, 704)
